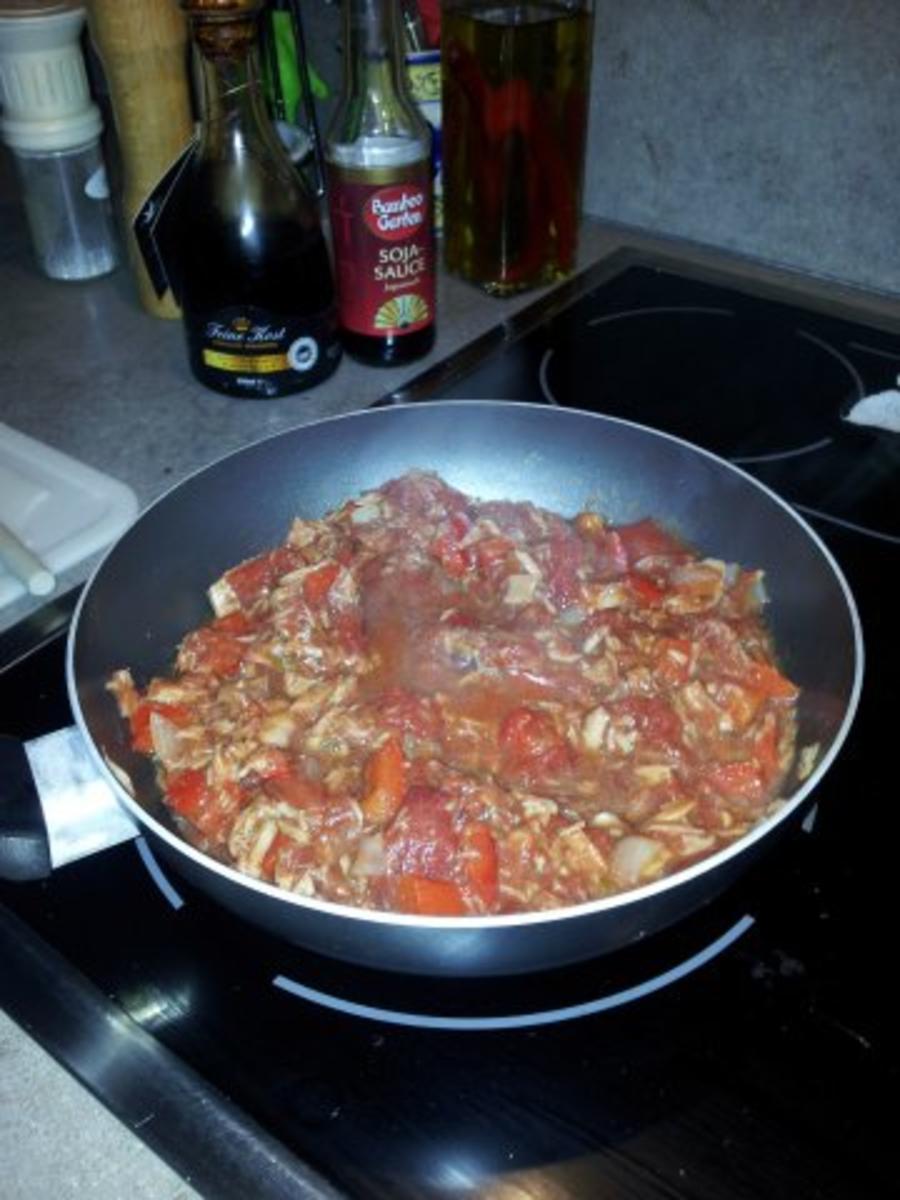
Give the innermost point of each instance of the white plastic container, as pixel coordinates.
(53, 129)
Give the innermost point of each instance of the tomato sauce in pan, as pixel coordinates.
(432, 704)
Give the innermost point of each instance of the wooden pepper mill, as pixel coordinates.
(142, 45)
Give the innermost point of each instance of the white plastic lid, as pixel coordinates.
(61, 133)
(44, 88)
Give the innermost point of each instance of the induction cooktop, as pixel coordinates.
(746, 1052)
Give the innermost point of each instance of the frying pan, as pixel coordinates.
(151, 589)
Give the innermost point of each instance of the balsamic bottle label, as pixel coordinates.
(383, 241)
(246, 351)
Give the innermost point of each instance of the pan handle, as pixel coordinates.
(54, 807)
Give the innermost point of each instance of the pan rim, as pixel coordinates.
(787, 806)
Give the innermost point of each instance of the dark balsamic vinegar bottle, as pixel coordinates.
(258, 298)
(380, 195)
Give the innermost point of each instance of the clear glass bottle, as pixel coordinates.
(378, 157)
(258, 298)
(515, 102)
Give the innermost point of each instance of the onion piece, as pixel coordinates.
(369, 856)
(637, 859)
(168, 742)
(223, 598)
(520, 589)
(277, 730)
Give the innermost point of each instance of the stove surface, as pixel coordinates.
(751, 376)
(745, 1053)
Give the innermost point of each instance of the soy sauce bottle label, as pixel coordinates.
(383, 239)
(244, 350)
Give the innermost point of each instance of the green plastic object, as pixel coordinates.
(288, 69)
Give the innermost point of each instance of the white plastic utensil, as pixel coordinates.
(25, 565)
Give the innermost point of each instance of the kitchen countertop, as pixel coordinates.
(86, 371)
(83, 369)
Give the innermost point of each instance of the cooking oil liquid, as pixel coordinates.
(515, 100)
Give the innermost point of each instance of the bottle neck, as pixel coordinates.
(231, 90)
(373, 49)
(375, 123)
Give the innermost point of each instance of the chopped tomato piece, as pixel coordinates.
(421, 840)
(238, 624)
(653, 717)
(479, 855)
(186, 790)
(770, 682)
(460, 525)
(210, 810)
(385, 782)
(295, 789)
(213, 651)
(531, 742)
(736, 780)
(141, 737)
(644, 590)
(491, 552)
(317, 584)
(250, 579)
(645, 538)
(765, 749)
(455, 560)
(348, 630)
(427, 897)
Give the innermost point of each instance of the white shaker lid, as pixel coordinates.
(44, 89)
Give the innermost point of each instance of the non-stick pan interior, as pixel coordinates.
(152, 586)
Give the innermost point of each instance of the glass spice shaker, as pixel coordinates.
(53, 129)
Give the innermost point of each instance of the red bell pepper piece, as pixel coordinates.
(479, 856)
(317, 584)
(385, 782)
(427, 897)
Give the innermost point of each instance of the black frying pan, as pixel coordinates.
(151, 589)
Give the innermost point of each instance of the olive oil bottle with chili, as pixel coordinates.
(258, 297)
(380, 194)
(516, 87)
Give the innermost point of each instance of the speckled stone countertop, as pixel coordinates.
(83, 369)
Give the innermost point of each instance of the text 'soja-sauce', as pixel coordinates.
(378, 151)
(381, 220)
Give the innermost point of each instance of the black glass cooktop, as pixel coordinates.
(750, 1051)
(751, 376)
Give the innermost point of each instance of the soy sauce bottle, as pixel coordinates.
(258, 297)
(380, 195)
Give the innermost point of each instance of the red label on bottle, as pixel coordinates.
(383, 242)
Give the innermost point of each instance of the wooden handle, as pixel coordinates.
(142, 45)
